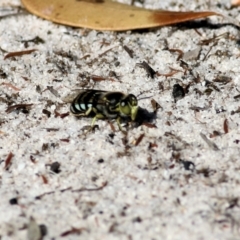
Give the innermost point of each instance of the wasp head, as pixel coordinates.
(129, 106)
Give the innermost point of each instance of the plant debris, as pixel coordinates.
(150, 72)
(188, 165)
(18, 54)
(155, 105)
(18, 107)
(129, 51)
(225, 126)
(76, 231)
(8, 161)
(211, 144)
(13, 201)
(35, 231)
(178, 92)
(37, 40)
(55, 167)
(139, 139)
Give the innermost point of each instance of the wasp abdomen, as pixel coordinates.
(77, 108)
(83, 102)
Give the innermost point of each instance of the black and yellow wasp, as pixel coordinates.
(104, 105)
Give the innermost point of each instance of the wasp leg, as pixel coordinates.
(119, 124)
(93, 121)
(91, 127)
(84, 114)
(97, 116)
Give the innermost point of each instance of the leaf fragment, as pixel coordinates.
(225, 126)
(20, 53)
(140, 138)
(8, 160)
(211, 144)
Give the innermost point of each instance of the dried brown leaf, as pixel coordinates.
(106, 14)
(235, 2)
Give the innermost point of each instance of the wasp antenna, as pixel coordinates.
(141, 93)
(144, 98)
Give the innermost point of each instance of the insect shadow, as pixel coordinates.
(144, 116)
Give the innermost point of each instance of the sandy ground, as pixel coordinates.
(174, 174)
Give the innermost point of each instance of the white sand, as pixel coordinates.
(149, 194)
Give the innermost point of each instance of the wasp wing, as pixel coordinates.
(69, 97)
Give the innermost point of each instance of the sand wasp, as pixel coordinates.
(105, 105)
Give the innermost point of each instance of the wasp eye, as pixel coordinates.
(132, 100)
